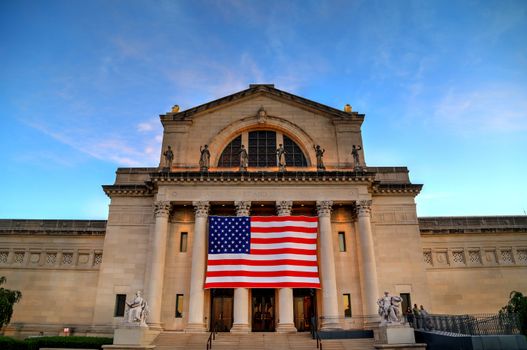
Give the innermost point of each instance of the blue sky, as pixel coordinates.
(443, 85)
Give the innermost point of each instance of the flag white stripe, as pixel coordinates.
(262, 268)
(263, 279)
(286, 234)
(279, 224)
(285, 245)
(263, 257)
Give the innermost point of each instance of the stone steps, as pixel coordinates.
(255, 341)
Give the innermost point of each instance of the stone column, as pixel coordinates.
(156, 263)
(330, 310)
(286, 323)
(240, 322)
(368, 269)
(196, 321)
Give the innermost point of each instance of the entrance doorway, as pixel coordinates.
(263, 310)
(221, 309)
(304, 308)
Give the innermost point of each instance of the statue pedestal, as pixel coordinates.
(395, 336)
(131, 336)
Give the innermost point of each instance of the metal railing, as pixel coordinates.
(212, 336)
(314, 333)
(480, 324)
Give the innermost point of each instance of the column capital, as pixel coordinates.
(162, 208)
(283, 208)
(364, 208)
(324, 208)
(243, 208)
(201, 208)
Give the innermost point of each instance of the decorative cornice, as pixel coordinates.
(324, 208)
(259, 177)
(472, 224)
(128, 190)
(243, 208)
(283, 208)
(266, 89)
(162, 209)
(201, 208)
(396, 189)
(53, 227)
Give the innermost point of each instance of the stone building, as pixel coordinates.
(78, 274)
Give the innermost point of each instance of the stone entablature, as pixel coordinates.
(472, 224)
(52, 227)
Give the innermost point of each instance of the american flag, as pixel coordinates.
(262, 252)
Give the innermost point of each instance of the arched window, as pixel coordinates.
(230, 156)
(262, 145)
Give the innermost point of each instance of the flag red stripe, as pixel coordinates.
(262, 273)
(284, 218)
(283, 251)
(261, 285)
(284, 240)
(283, 229)
(262, 262)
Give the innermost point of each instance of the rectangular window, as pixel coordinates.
(183, 242)
(179, 305)
(120, 301)
(347, 304)
(342, 242)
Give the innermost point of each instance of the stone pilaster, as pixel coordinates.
(156, 262)
(330, 312)
(286, 322)
(368, 269)
(196, 322)
(240, 322)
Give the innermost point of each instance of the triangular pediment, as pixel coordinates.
(268, 90)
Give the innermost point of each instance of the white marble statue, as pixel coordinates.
(389, 308)
(137, 310)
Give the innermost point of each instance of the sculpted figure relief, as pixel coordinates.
(169, 157)
(137, 310)
(204, 159)
(389, 308)
(355, 155)
(280, 158)
(319, 152)
(244, 159)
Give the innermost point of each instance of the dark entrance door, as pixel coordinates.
(263, 310)
(221, 309)
(304, 308)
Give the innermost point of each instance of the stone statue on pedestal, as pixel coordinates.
(355, 155)
(204, 159)
(169, 157)
(137, 310)
(319, 152)
(244, 159)
(389, 308)
(280, 158)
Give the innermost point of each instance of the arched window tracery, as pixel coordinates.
(261, 146)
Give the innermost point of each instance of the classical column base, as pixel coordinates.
(286, 328)
(196, 328)
(240, 328)
(331, 325)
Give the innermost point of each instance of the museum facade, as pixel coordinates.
(268, 153)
